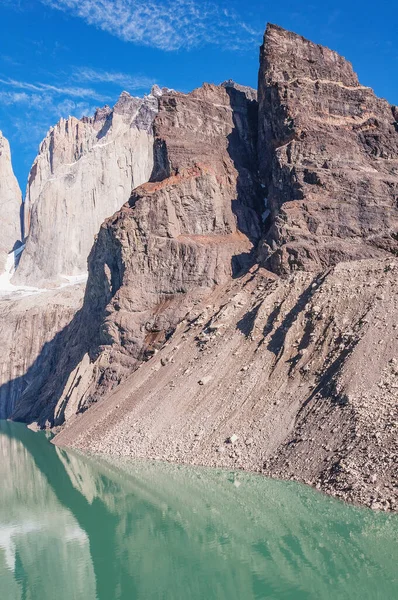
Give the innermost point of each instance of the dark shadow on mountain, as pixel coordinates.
(242, 149)
(277, 341)
(35, 394)
(246, 323)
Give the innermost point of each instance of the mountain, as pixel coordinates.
(241, 306)
(328, 152)
(10, 204)
(192, 227)
(85, 170)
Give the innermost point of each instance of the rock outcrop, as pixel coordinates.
(10, 204)
(328, 152)
(84, 172)
(292, 376)
(190, 229)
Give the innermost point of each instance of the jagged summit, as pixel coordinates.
(287, 55)
(328, 158)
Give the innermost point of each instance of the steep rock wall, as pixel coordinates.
(328, 152)
(84, 172)
(29, 326)
(190, 229)
(10, 204)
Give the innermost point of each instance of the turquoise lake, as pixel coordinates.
(75, 527)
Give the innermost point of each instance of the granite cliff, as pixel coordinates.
(328, 153)
(10, 204)
(189, 229)
(84, 172)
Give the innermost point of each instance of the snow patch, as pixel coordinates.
(6, 287)
(9, 289)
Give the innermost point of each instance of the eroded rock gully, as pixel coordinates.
(241, 307)
(299, 372)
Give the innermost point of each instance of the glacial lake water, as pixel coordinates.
(74, 527)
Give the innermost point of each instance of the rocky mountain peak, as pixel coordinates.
(287, 56)
(84, 172)
(328, 155)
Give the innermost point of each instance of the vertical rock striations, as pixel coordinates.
(328, 151)
(10, 204)
(84, 172)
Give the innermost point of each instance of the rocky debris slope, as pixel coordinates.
(328, 152)
(84, 172)
(10, 204)
(294, 378)
(190, 229)
(29, 326)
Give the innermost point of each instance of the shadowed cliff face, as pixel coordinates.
(165, 250)
(328, 151)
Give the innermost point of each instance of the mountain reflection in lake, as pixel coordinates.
(74, 527)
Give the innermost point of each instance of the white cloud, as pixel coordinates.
(168, 25)
(130, 82)
(76, 92)
(46, 105)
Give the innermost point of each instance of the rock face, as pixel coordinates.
(188, 230)
(29, 328)
(10, 204)
(84, 172)
(291, 376)
(328, 151)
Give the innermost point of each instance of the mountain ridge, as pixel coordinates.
(240, 305)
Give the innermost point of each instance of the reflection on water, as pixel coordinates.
(72, 527)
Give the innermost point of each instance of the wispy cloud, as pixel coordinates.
(75, 92)
(45, 104)
(130, 82)
(168, 25)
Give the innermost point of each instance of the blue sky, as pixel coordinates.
(61, 57)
